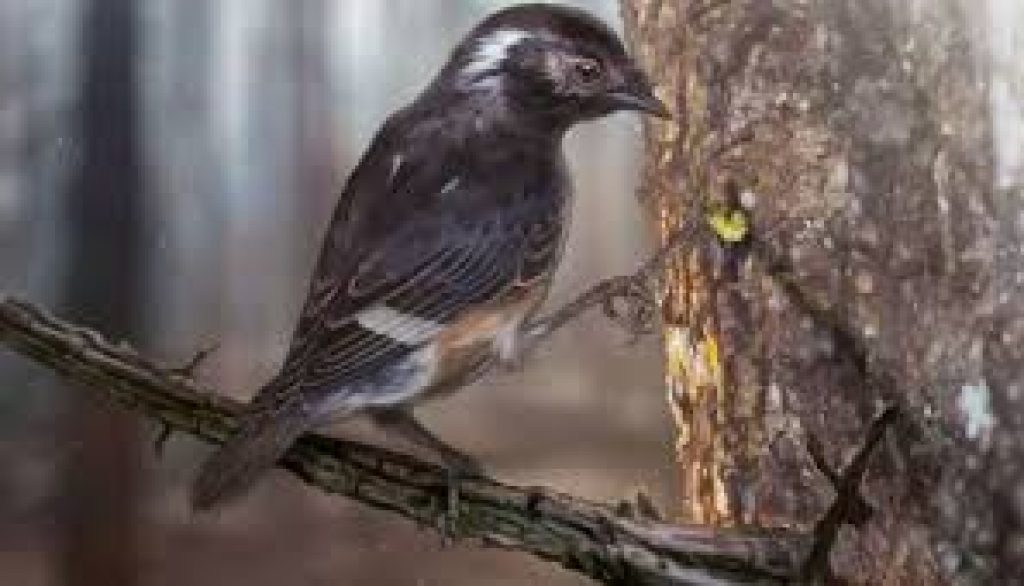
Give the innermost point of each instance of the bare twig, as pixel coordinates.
(860, 511)
(162, 438)
(849, 506)
(188, 370)
(582, 536)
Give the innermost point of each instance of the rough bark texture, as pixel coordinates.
(881, 266)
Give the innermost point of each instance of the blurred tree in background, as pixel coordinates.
(106, 288)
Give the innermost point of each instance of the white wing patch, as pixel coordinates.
(400, 327)
(492, 49)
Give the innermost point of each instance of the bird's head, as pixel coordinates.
(551, 64)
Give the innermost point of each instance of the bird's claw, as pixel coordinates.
(632, 306)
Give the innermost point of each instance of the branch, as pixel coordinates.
(583, 536)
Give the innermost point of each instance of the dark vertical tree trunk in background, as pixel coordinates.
(882, 267)
(105, 289)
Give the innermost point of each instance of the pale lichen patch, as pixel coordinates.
(975, 404)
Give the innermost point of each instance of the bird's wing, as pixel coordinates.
(408, 284)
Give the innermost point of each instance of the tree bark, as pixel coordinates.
(842, 152)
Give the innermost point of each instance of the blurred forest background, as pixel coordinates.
(166, 171)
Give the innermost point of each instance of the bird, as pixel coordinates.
(444, 240)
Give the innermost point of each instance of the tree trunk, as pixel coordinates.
(862, 255)
(105, 287)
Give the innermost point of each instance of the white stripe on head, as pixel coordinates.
(492, 50)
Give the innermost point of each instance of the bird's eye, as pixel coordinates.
(588, 70)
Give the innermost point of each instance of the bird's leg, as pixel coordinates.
(404, 423)
(457, 464)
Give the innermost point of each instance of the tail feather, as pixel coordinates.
(260, 442)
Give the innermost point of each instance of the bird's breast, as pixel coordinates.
(475, 338)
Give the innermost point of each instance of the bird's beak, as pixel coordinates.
(637, 94)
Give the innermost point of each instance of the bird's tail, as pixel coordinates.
(265, 435)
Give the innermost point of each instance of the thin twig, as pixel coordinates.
(860, 511)
(162, 438)
(847, 508)
(188, 370)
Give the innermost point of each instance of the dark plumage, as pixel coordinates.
(445, 238)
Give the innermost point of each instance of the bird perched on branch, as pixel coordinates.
(445, 238)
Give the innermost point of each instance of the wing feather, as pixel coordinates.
(396, 285)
